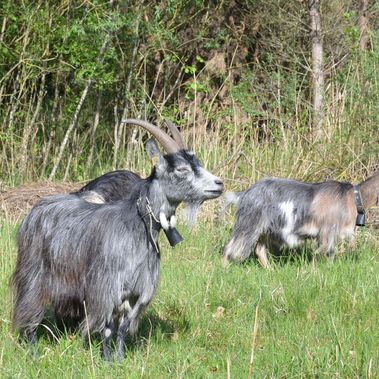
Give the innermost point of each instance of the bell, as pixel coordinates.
(360, 219)
(173, 236)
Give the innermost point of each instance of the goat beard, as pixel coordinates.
(190, 213)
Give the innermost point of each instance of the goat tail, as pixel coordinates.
(227, 200)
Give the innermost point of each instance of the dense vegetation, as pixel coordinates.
(234, 74)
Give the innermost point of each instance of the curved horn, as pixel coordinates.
(175, 133)
(163, 138)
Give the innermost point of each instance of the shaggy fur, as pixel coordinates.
(110, 187)
(72, 252)
(275, 213)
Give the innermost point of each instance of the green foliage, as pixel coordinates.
(240, 72)
(351, 30)
(246, 97)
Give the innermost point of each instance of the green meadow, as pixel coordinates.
(301, 318)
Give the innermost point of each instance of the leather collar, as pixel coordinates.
(361, 217)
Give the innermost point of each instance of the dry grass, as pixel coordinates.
(15, 202)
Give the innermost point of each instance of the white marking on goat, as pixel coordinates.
(93, 197)
(163, 220)
(287, 208)
(173, 221)
(108, 332)
(125, 307)
(309, 230)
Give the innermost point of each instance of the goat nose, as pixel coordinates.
(219, 182)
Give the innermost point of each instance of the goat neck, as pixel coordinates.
(161, 206)
(370, 191)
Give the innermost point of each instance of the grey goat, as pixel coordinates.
(78, 258)
(276, 213)
(117, 185)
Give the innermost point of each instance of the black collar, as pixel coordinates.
(361, 217)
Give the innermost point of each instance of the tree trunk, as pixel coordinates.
(54, 120)
(19, 83)
(93, 131)
(317, 67)
(119, 125)
(3, 27)
(28, 128)
(362, 22)
(71, 127)
(2, 88)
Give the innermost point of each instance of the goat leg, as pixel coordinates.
(122, 331)
(30, 336)
(108, 334)
(260, 251)
(129, 324)
(326, 243)
(239, 248)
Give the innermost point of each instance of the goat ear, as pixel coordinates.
(152, 150)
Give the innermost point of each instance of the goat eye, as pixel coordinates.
(182, 169)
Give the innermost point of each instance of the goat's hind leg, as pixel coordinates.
(29, 335)
(27, 315)
(27, 321)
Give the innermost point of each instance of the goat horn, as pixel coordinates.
(175, 133)
(163, 138)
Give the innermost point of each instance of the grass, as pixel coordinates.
(313, 319)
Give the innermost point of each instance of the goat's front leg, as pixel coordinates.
(30, 336)
(326, 243)
(352, 243)
(129, 324)
(123, 329)
(240, 246)
(260, 251)
(108, 334)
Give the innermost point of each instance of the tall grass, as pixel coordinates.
(245, 143)
(312, 319)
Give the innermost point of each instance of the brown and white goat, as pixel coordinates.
(276, 213)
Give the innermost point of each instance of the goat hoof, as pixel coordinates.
(34, 352)
(107, 356)
(226, 261)
(119, 356)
